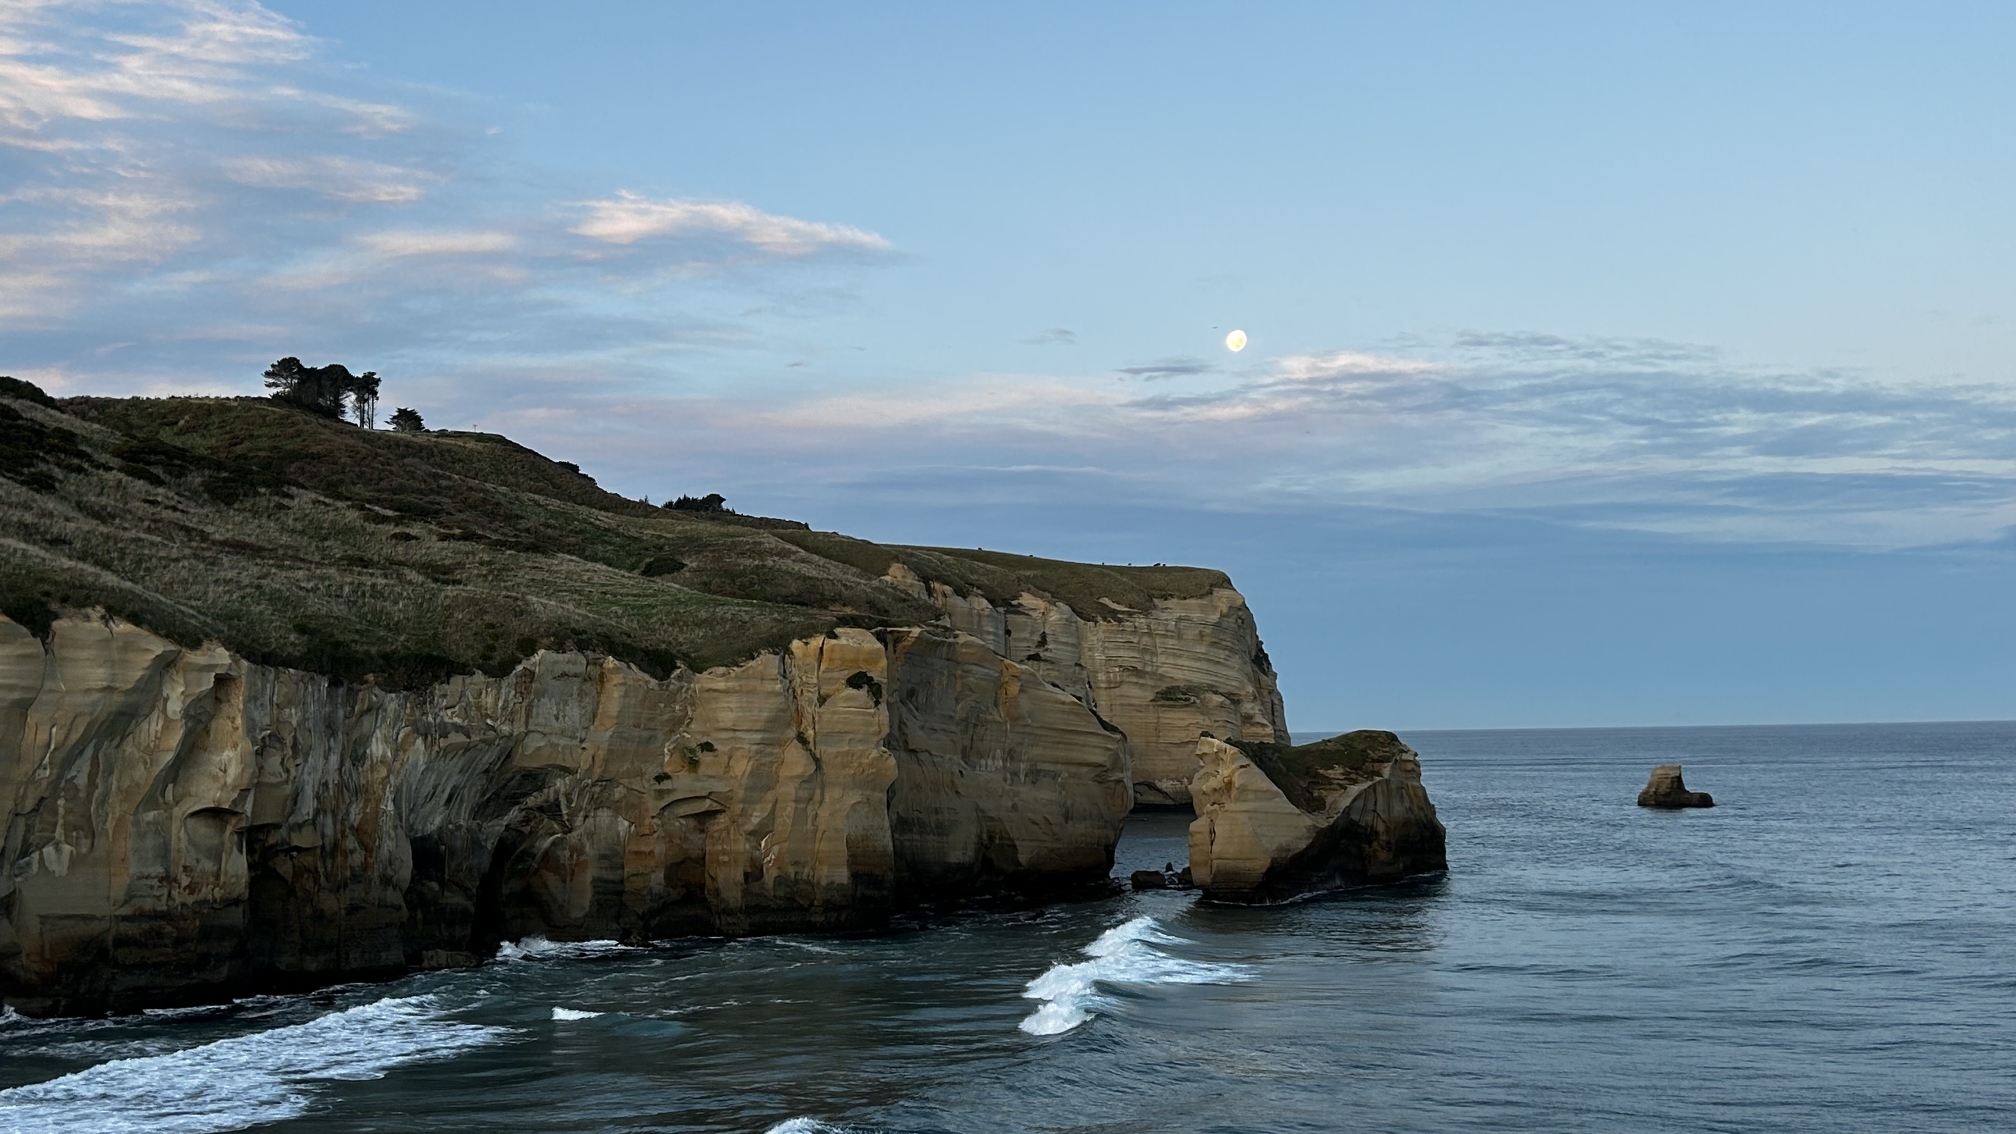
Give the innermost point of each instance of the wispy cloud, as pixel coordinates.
(1167, 368)
(1054, 336)
(165, 160)
(628, 218)
(1586, 432)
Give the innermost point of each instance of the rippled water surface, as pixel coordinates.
(1832, 947)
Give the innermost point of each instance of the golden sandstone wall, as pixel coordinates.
(180, 822)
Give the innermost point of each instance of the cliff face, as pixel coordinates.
(1165, 675)
(454, 693)
(1275, 821)
(181, 822)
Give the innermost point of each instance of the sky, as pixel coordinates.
(1609, 364)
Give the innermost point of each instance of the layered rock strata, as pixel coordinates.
(1665, 789)
(1165, 676)
(181, 823)
(1274, 822)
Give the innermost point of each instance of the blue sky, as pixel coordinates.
(1609, 364)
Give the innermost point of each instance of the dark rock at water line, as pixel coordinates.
(1167, 878)
(1667, 790)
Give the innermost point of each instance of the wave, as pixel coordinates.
(242, 1081)
(1125, 954)
(805, 1126)
(538, 948)
(573, 1014)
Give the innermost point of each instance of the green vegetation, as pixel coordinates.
(297, 539)
(1302, 770)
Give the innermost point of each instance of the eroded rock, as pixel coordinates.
(182, 824)
(1666, 790)
(1164, 676)
(1275, 821)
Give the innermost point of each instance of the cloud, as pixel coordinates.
(191, 188)
(1596, 433)
(628, 218)
(168, 160)
(436, 243)
(1168, 368)
(344, 179)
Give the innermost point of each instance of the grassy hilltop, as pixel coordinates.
(299, 540)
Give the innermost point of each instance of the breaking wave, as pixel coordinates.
(245, 1080)
(804, 1126)
(1125, 954)
(537, 948)
(573, 1014)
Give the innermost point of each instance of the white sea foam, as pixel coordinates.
(803, 1126)
(242, 1081)
(537, 948)
(1125, 954)
(573, 1014)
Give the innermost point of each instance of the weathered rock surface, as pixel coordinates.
(1666, 789)
(1274, 821)
(1003, 781)
(182, 824)
(1187, 667)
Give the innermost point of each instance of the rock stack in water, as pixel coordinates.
(1275, 821)
(1666, 789)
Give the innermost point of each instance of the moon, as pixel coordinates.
(1236, 341)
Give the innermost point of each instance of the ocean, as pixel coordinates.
(1830, 948)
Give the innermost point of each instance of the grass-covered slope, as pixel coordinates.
(303, 541)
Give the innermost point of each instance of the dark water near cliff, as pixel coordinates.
(1831, 948)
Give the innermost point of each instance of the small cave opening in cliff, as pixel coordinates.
(490, 921)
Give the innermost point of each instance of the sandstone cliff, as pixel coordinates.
(182, 823)
(347, 701)
(1274, 821)
(1166, 674)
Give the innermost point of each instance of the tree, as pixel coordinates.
(364, 398)
(405, 420)
(285, 379)
(317, 389)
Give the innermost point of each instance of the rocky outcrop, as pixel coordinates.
(1182, 669)
(181, 823)
(1274, 821)
(1667, 790)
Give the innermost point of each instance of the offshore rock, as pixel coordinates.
(1667, 790)
(182, 824)
(1274, 822)
(1183, 669)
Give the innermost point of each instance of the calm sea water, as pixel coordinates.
(1831, 948)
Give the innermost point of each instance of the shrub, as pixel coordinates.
(712, 502)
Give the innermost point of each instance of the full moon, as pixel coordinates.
(1236, 341)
